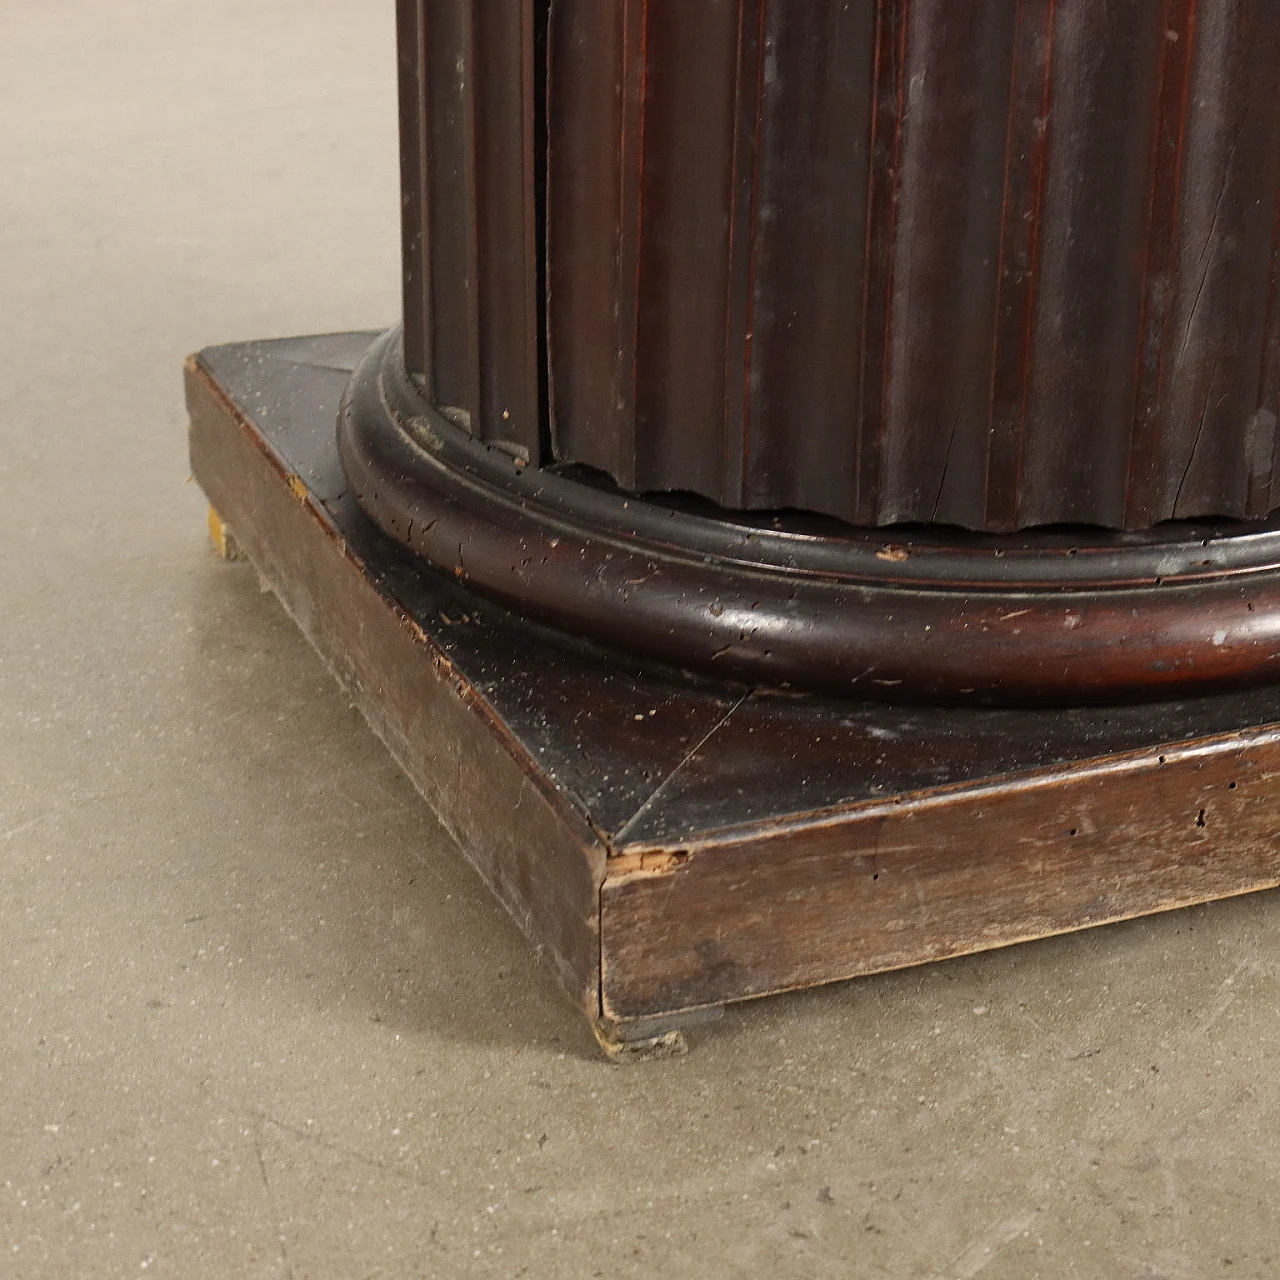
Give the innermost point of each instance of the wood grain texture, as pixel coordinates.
(934, 874)
(970, 262)
(987, 264)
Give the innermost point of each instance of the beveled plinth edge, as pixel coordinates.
(1053, 618)
(670, 845)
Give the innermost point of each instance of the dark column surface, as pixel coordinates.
(988, 264)
(923, 349)
(467, 85)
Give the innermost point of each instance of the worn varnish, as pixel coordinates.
(974, 262)
(1063, 617)
(672, 843)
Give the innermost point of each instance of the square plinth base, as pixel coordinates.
(672, 843)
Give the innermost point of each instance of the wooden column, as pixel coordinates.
(964, 261)
(922, 348)
(856, 354)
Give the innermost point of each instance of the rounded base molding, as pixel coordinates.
(1053, 616)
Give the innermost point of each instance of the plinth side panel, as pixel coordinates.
(963, 261)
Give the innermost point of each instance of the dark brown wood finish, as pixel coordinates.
(1051, 617)
(673, 842)
(848, 263)
(979, 264)
(927, 876)
(470, 219)
(996, 265)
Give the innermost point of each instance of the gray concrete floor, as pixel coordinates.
(258, 1018)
